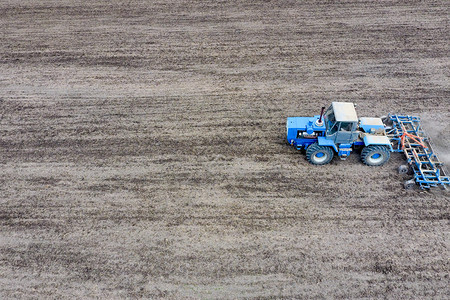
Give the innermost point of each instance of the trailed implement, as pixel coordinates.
(407, 136)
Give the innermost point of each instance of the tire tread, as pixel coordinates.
(315, 147)
(367, 151)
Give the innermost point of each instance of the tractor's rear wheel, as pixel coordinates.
(319, 155)
(375, 155)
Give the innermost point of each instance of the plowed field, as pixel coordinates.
(143, 152)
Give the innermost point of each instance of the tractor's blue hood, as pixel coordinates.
(308, 124)
(297, 122)
(303, 122)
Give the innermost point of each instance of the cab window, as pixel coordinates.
(329, 118)
(334, 129)
(346, 126)
(329, 115)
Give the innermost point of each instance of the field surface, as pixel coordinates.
(143, 153)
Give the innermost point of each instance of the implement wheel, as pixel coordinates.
(403, 169)
(319, 155)
(375, 155)
(409, 184)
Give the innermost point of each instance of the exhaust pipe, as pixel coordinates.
(320, 122)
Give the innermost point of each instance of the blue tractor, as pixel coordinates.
(339, 131)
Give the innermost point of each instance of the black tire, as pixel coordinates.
(319, 155)
(375, 155)
(409, 184)
(386, 120)
(403, 169)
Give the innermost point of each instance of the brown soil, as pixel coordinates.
(143, 154)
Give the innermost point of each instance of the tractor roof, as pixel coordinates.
(344, 112)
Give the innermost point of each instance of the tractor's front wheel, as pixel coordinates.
(375, 155)
(319, 155)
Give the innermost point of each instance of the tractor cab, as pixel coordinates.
(341, 123)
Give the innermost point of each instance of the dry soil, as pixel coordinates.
(143, 153)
